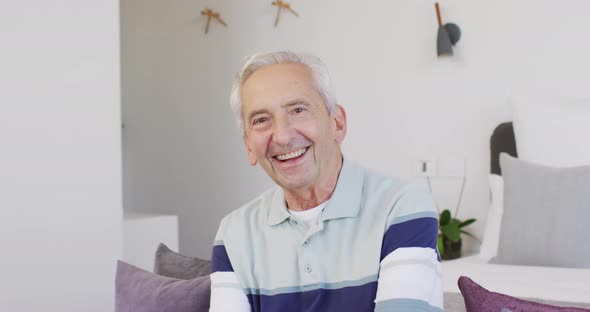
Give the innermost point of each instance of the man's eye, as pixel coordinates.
(298, 110)
(259, 120)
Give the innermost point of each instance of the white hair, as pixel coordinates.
(319, 73)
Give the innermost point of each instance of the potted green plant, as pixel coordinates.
(449, 235)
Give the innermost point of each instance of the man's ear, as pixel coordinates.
(339, 124)
(251, 157)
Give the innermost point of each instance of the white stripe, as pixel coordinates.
(227, 294)
(225, 278)
(411, 273)
(411, 253)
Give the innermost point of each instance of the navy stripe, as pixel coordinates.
(420, 232)
(220, 260)
(357, 298)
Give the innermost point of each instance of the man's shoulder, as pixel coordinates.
(375, 182)
(374, 177)
(402, 195)
(254, 209)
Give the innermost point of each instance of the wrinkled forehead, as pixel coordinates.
(277, 84)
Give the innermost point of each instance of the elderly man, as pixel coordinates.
(331, 236)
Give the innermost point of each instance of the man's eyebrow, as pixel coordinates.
(285, 105)
(295, 102)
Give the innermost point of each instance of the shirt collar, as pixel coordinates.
(346, 199)
(344, 203)
(277, 212)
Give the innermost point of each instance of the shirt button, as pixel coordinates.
(305, 243)
(294, 222)
(307, 268)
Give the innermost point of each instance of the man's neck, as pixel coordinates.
(312, 197)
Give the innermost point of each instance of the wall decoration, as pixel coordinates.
(210, 15)
(448, 35)
(282, 5)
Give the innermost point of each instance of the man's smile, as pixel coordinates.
(292, 155)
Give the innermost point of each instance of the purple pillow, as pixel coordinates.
(138, 290)
(479, 299)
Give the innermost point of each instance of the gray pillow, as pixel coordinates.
(546, 217)
(137, 290)
(171, 264)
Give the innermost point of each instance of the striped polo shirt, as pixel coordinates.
(373, 248)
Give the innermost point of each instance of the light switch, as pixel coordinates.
(426, 167)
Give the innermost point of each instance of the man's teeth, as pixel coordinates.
(294, 154)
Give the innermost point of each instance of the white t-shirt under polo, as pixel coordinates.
(310, 216)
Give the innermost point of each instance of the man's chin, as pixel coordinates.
(292, 179)
(293, 183)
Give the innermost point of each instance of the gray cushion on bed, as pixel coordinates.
(171, 264)
(137, 290)
(546, 215)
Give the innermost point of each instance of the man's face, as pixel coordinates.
(288, 129)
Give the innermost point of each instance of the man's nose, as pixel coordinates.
(283, 132)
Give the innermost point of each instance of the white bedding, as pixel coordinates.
(549, 283)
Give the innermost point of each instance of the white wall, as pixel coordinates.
(60, 165)
(183, 155)
(142, 233)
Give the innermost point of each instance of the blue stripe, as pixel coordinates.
(294, 289)
(421, 232)
(401, 304)
(219, 260)
(358, 299)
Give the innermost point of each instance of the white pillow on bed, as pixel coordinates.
(552, 131)
(491, 235)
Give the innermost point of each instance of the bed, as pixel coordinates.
(557, 285)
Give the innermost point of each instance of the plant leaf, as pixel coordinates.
(445, 217)
(451, 231)
(466, 223)
(440, 244)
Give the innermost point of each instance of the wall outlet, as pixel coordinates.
(426, 167)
